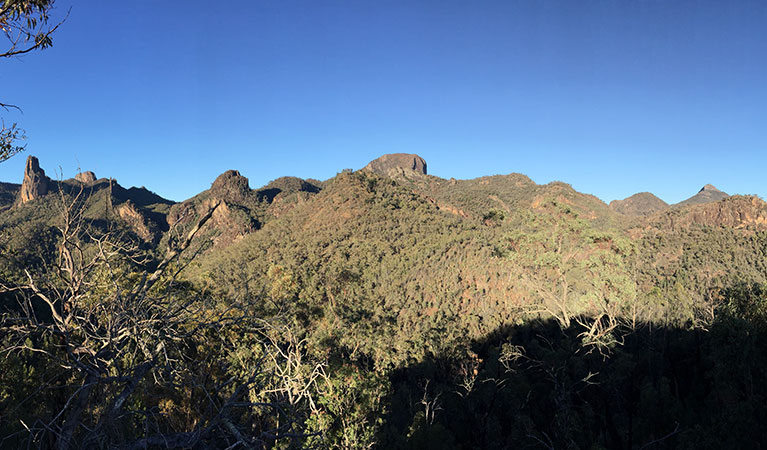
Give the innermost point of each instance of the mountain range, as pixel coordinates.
(150, 214)
(383, 308)
(392, 203)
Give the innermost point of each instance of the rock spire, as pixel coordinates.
(35, 184)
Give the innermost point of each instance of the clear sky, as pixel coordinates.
(612, 96)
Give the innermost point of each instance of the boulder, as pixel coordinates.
(86, 177)
(397, 162)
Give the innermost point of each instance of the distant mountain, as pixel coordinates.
(482, 200)
(37, 200)
(482, 196)
(640, 204)
(707, 194)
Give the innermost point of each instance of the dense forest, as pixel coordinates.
(382, 308)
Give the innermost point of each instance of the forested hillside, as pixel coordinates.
(382, 308)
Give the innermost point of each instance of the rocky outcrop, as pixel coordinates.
(707, 194)
(86, 177)
(35, 184)
(641, 204)
(738, 211)
(397, 164)
(230, 186)
(232, 202)
(144, 228)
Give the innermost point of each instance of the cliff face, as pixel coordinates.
(35, 184)
(138, 221)
(395, 163)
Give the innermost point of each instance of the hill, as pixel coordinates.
(410, 253)
(641, 204)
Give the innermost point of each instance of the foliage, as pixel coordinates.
(132, 359)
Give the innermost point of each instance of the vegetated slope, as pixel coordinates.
(8, 194)
(641, 204)
(371, 265)
(378, 277)
(483, 197)
(384, 270)
(690, 253)
(413, 251)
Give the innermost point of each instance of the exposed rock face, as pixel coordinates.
(395, 163)
(733, 212)
(86, 177)
(232, 218)
(35, 184)
(707, 194)
(230, 186)
(641, 204)
(138, 222)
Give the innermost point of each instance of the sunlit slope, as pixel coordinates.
(387, 269)
(370, 256)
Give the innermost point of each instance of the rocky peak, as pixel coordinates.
(707, 194)
(35, 184)
(230, 186)
(86, 177)
(395, 163)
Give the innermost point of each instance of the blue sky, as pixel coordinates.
(613, 97)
